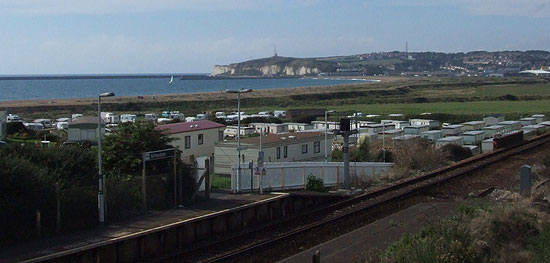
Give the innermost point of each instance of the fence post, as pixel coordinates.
(525, 180)
(207, 169)
(38, 224)
(58, 208)
(317, 257)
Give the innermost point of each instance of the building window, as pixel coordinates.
(317, 147)
(285, 152)
(304, 148)
(187, 142)
(201, 138)
(278, 152)
(220, 136)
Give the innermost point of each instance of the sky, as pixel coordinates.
(191, 36)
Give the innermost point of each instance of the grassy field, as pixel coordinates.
(221, 182)
(474, 107)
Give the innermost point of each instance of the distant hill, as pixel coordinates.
(391, 63)
(276, 66)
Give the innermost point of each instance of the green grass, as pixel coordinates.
(516, 90)
(221, 182)
(457, 108)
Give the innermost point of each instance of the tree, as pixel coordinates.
(123, 150)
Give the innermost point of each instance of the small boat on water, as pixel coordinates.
(171, 80)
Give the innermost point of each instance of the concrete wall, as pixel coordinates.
(282, 176)
(152, 244)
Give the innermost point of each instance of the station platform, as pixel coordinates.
(35, 251)
(351, 247)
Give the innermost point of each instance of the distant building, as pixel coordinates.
(432, 135)
(421, 122)
(453, 130)
(231, 131)
(473, 137)
(474, 125)
(456, 140)
(299, 126)
(195, 139)
(271, 128)
(3, 125)
(84, 129)
(290, 147)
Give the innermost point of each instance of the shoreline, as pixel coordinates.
(18, 105)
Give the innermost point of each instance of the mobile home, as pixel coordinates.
(124, 118)
(490, 131)
(474, 125)
(432, 135)
(473, 137)
(457, 140)
(453, 130)
(415, 130)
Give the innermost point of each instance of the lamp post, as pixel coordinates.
(326, 131)
(100, 198)
(239, 91)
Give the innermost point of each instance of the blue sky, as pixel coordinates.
(139, 36)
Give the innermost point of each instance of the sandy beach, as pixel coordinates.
(18, 106)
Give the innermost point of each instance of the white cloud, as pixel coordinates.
(529, 8)
(34, 7)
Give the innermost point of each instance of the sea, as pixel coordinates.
(88, 86)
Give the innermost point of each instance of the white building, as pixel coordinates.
(109, 117)
(84, 129)
(487, 145)
(196, 139)
(378, 127)
(421, 122)
(534, 128)
(295, 147)
(3, 125)
(151, 117)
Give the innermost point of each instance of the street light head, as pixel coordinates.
(245, 90)
(107, 94)
(330, 111)
(231, 91)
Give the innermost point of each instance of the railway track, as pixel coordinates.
(225, 250)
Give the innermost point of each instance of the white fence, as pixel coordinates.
(293, 175)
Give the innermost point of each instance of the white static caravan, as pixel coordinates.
(191, 119)
(473, 137)
(231, 131)
(453, 130)
(493, 119)
(124, 118)
(35, 126)
(539, 117)
(270, 128)
(176, 115)
(457, 140)
(545, 123)
(164, 120)
(421, 122)
(474, 125)
(487, 145)
(398, 124)
(110, 118)
(62, 125)
(528, 121)
(475, 150)
(320, 125)
(391, 133)
(534, 128)
(202, 116)
(415, 130)
(279, 114)
(406, 137)
(432, 135)
(220, 114)
(299, 127)
(490, 131)
(47, 123)
(510, 126)
(151, 117)
(376, 128)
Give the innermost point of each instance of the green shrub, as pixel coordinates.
(541, 246)
(315, 184)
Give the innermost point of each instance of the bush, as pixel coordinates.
(315, 184)
(456, 152)
(417, 156)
